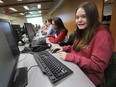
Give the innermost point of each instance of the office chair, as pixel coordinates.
(110, 73)
(71, 39)
(69, 42)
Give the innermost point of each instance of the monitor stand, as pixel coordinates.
(20, 79)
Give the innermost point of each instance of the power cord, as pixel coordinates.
(23, 58)
(32, 67)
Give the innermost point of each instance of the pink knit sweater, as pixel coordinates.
(93, 59)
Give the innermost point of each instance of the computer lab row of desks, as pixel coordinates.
(37, 79)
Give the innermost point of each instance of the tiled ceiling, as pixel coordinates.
(33, 10)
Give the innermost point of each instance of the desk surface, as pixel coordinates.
(37, 79)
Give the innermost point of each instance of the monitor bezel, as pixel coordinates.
(16, 57)
(26, 28)
(15, 32)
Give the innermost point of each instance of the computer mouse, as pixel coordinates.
(55, 50)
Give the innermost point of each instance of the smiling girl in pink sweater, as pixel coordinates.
(93, 45)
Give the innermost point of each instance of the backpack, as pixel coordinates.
(40, 47)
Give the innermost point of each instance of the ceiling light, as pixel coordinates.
(39, 6)
(106, 0)
(19, 0)
(13, 9)
(1, 1)
(21, 14)
(26, 7)
(39, 11)
(31, 12)
(37, 15)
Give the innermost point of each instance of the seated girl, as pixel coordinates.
(60, 31)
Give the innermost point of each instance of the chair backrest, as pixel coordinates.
(69, 42)
(71, 39)
(110, 73)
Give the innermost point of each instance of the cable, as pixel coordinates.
(31, 67)
(23, 58)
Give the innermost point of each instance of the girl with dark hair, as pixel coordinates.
(93, 45)
(60, 31)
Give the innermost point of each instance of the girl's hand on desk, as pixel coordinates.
(56, 49)
(63, 55)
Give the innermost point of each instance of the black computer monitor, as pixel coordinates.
(9, 54)
(7, 29)
(108, 18)
(104, 18)
(30, 31)
(23, 30)
(16, 29)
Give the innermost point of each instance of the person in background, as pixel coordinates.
(60, 31)
(50, 29)
(93, 45)
(44, 27)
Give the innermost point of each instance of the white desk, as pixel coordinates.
(37, 79)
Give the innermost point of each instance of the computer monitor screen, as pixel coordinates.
(9, 53)
(24, 31)
(6, 28)
(108, 17)
(17, 32)
(104, 18)
(30, 31)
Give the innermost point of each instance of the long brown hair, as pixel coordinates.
(83, 37)
(60, 25)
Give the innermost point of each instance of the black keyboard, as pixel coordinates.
(51, 66)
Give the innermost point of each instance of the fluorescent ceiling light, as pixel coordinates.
(37, 15)
(19, 0)
(21, 14)
(31, 12)
(26, 7)
(39, 6)
(106, 0)
(13, 9)
(1, 1)
(39, 11)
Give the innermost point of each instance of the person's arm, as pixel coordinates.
(100, 55)
(49, 30)
(51, 35)
(59, 38)
(67, 48)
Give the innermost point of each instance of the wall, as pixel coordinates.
(7, 17)
(13, 20)
(67, 12)
(19, 21)
(113, 24)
